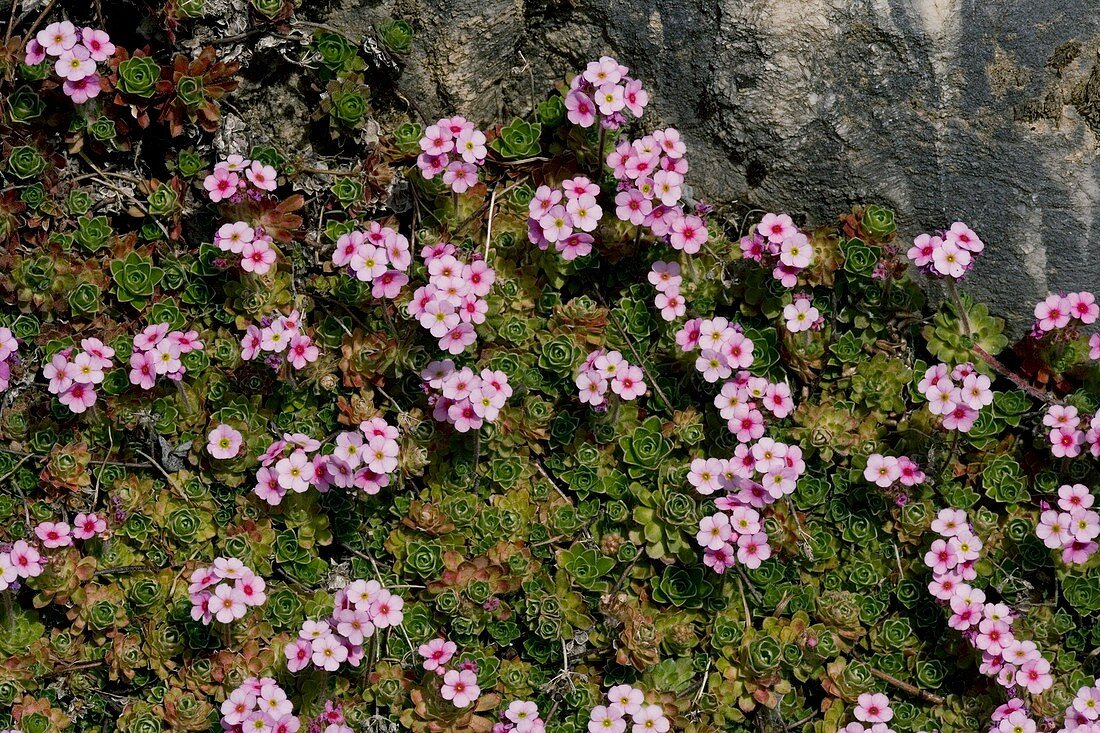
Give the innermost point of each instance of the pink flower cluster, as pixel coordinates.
(23, 559)
(722, 346)
(947, 254)
(380, 255)
(259, 705)
(1067, 438)
(755, 477)
(521, 716)
(738, 400)
(465, 398)
(362, 459)
(885, 471)
(1083, 712)
(603, 369)
(627, 703)
(253, 245)
(225, 591)
(237, 177)
(359, 609)
(666, 278)
(777, 243)
(801, 314)
(459, 685)
(567, 226)
(1057, 311)
(77, 52)
(74, 374)
(224, 442)
(453, 300)
(956, 395)
(158, 352)
(9, 348)
(604, 90)
(651, 171)
(987, 626)
(280, 337)
(873, 712)
(454, 147)
(1074, 529)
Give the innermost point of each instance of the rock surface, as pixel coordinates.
(942, 109)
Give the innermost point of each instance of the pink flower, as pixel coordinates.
(98, 43)
(951, 260)
(78, 397)
(437, 653)
(460, 176)
(237, 707)
(295, 472)
(753, 549)
(950, 522)
(1053, 313)
(75, 64)
(302, 351)
(882, 470)
(650, 719)
(1035, 676)
(262, 176)
(470, 144)
(257, 257)
(35, 53)
(632, 206)
(1094, 346)
(1083, 307)
(87, 526)
(53, 534)
(941, 557)
(151, 336)
(776, 227)
(801, 315)
(580, 109)
(796, 251)
(227, 604)
(689, 233)
(713, 531)
(873, 708)
(328, 652)
(385, 610)
(233, 236)
(250, 587)
(963, 236)
(221, 184)
(924, 246)
(629, 384)
(56, 38)
(437, 140)
(224, 442)
(1066, 442)
(460, 687)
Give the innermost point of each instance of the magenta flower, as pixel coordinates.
(98, 43)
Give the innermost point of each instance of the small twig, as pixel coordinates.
(121, 570)
(906, 687)
(41, 17)
(1015, 378)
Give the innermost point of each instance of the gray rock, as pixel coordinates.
(986, 112)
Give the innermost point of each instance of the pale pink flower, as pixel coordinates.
(75, 64)
(53, 534)
(224, 442)
(873, 708)
(437, 653)
(776, 227)
(1053, 313)
(56, 38)
(227, 604)
(262, 176)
